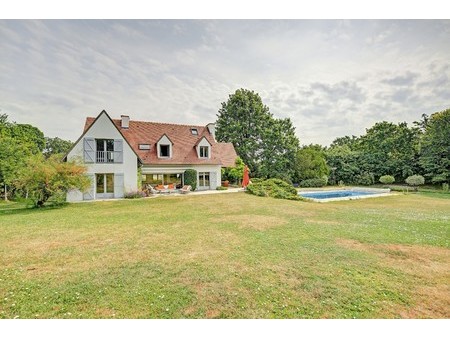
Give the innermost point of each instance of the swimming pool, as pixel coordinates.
(343, 194)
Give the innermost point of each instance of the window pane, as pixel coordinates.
(110, 145)
(206, 180)
(100, 183)
(110, 183)
(100, 145)
(164, 150)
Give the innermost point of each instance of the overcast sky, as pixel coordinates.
(331, 77)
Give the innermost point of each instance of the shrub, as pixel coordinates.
(415, 181)
(221, 188)
(445, 186)
(364, 179)
(387, 179)
(190, 178)
(134, 194)
(275, 188)
(257, 180)
(313, 183)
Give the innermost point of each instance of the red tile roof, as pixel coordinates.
(184, 142)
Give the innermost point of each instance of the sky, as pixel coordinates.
(330, 77)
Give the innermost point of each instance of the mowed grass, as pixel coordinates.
(227, 256)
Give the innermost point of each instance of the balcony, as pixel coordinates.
(105, 157)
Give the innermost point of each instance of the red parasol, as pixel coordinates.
(245, 178)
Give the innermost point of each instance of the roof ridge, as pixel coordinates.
(166, 123)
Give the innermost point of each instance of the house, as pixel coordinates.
(119, 153)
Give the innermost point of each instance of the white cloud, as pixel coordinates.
(332, 78)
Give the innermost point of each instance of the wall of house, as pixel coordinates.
(214, 170)
(104, 128)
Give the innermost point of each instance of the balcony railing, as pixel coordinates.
(105, 156)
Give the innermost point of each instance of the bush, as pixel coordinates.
(313, 183)
(190, 178)
(134, 194)
(275, 188)
(415, 181)
(364, 179)
(257, 180)
(445, 186)
(387, 179)
(221, 188)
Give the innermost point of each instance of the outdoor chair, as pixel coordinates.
(152, 190)
(185, 189)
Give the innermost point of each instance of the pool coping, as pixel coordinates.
(382, 193)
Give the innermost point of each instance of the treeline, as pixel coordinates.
(31, 166)
(271, 149)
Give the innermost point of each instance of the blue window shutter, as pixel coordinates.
(118, 185)
(89, 150)
(89, 194)
(118, 151)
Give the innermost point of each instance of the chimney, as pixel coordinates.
(125, 121)
(212, 129)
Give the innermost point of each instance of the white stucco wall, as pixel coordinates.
(104, 128)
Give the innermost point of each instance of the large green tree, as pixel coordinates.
(266, 144)
(310, 163)
(56, 145)
(389, 149)
(435, 147)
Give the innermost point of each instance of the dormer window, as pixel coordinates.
(203, 148)
(164, 147)
(194, 131)
(204, 151)
(164, 150)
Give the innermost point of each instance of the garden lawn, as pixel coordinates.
(227, 256)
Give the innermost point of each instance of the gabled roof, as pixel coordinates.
(183, 142)
(91, 123)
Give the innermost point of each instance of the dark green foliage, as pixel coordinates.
(389, 149)
(266, 144)
(190, 178)
(275, 188)
(387, 179)
(364, 179)
(221, 188)
(313, 183)
(344, 164)
(55, 146)
(435, 147)
(310, 163)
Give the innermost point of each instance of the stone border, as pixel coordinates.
(381, 193)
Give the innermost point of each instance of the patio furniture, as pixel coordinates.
(152, 190)
(185, 189)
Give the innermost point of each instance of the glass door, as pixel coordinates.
(104, 185)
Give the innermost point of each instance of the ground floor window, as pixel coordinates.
(104, 185)
(203, 180)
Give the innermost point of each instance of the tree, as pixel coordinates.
(13, 156)
(344, 163)
(310, 163)
(435, 148)
(235, 173)
(44, 178)
(56, 146)
(389, 149)
(278, 150)
(267, 145)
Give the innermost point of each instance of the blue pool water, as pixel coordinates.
(336, 194)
